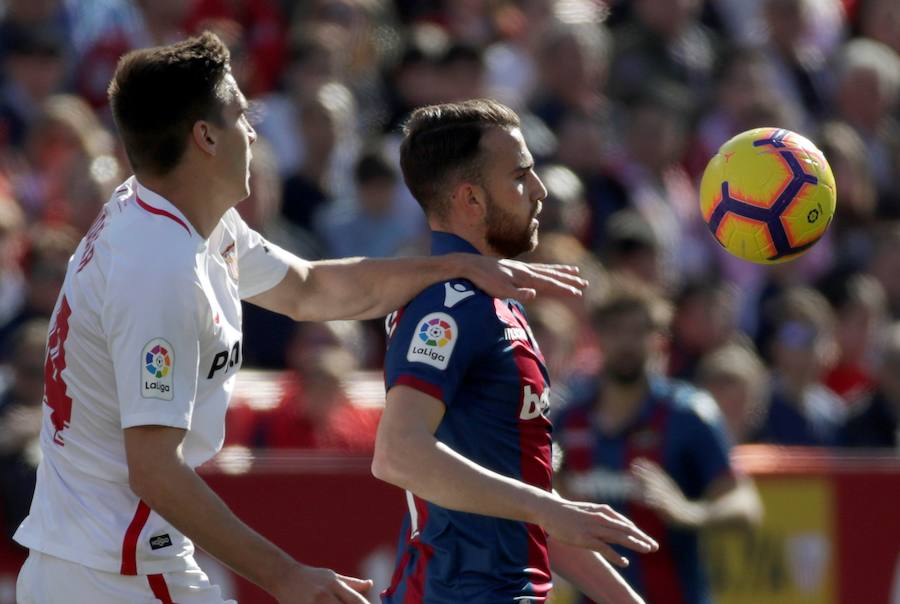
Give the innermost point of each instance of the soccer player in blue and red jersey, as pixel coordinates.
(653, 447)
(465, 428)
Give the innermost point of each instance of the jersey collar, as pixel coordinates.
(447, 243)
(154, 203)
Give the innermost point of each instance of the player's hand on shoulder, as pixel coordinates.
(594, 526)
(311, 585)
(520, 280)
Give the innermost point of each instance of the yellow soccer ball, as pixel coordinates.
(768, 195)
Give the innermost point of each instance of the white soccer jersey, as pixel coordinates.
(146, 331)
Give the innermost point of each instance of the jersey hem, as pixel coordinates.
(154, 419)
(102, 563)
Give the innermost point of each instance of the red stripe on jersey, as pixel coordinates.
(579, 455)
(56, 396)
(159, 212)
(415, 583)
(398, 575)
(420, 385)
(535, 451)
(129, 544)
(159, 588)
(659, 574)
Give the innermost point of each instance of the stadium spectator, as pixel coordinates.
(20, 422)
(705, 318)
(33, 69)
(566, 210)
(314, 410)
(801, 73)
(861, 315)
(630, 247)
(855, 217)
(655, 448)
(261, 27)
(663, 41)
(46, 256)
(738, 381)
(876, 421)
(375, 222)
(573, 59)
(659, 187)
(879, 20)
(868, 90)
(13, 278)
(802, 410)
(886, 262)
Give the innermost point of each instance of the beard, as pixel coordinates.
(506, 235)
(626, 372)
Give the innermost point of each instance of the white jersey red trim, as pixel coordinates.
(146, 331)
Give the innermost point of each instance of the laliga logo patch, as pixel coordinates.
(433, 342)
(157, 363)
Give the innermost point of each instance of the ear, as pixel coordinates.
(204, 137)
(469, 200)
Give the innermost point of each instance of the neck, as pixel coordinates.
(619, 403)
(472, 235)
(193, 197)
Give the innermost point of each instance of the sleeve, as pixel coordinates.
(708, 438)
(153, 338)
(432, 346)
(261, 264)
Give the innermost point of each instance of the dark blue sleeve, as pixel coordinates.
(707, 438)
(431, 345)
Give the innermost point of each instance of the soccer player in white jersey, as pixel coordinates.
(145, 342)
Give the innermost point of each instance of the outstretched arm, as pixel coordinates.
(365, 288)
(728, 500)
(160, 477)
(408, 455)
(591, 574)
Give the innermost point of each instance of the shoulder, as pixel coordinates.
(457, 298)
(688, 403)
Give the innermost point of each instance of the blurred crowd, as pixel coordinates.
(622, 102)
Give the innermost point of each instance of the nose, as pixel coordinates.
(251, 133)
(540, 190)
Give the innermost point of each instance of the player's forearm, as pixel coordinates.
(179, 495)
(738, 507)
(366, 288)
(591, 574)
(431, 470)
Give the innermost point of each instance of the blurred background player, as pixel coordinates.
(655, 448)
(465, 428)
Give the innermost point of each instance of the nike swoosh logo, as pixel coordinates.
(454, 294)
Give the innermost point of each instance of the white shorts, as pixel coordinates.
(46, 579)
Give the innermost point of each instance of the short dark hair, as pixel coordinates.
(374, 165)
(442, 143)
(157, 94)
(624, 295)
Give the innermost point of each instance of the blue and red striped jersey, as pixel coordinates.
(679, 428)
(477, 355)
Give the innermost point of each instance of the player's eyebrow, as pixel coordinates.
(524, 166)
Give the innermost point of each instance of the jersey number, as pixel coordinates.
(54, 386)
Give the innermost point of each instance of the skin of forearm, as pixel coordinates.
(738, 507)
(423, 465)
(590, 573)
(364, 288)
(179, 495)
